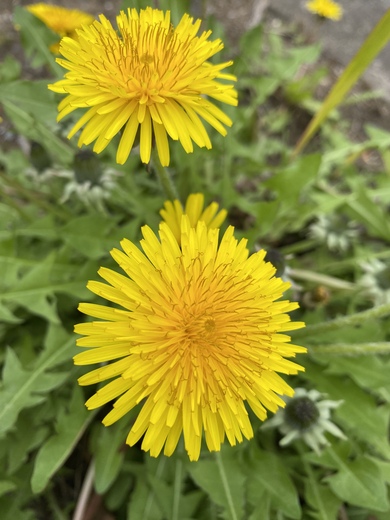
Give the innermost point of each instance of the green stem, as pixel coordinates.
(298, 247)
(344, 321)
(165, 179)
(151, 498)
(225, 484)
(177, 489)
(324, 279)
(352, 349)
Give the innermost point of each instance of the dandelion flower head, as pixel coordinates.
(173, 211)
(198, 335)
(326, 9)
(149, 77)
(60, 20)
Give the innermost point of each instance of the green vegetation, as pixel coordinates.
(323, 217)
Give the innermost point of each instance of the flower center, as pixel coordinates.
(200, 332)
(301, 413)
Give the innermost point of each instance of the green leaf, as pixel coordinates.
(370, 48)
(6, 486)
(322, 500)
(359, 483)
(91, 235)
(369, 211)
(22, 389)
(32, 97)
(109, 457)
(368, 372)
(26, 388)
(6, 316)
(143, 503)
(9, 69)
(36, 38)
(359, 412)
(267, 475)
(71, 424)
(32, 109)
(222, 481)
(36, 290)
(29, 433)
(291, 182)
(163, 493)
(384, 467)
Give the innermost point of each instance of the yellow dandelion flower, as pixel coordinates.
(197, 337)
(151, 77)
(173, 212)
(60, 20)
(326, 9)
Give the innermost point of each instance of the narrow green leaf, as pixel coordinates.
(70, 426)
(109, 457)
(370, 48)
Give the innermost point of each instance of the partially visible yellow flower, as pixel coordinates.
(198, 337)
(173, 212)
(60, 20)
(148, 76)
(326, 9)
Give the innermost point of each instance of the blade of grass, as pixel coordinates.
(370, 48)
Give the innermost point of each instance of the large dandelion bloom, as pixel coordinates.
(197, 337)
(326, 9)
(150, 77)
(60, 20)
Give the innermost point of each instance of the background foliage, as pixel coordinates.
(321, 215)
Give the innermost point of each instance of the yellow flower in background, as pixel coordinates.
(60, 20)
(326, 9)
(173, 211)
(196, 335)
(149, 76)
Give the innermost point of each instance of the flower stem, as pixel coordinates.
(344, 321)
(165, 179)
(225, 484)
(177, 489)
(352, 349)
(324, 279)
(86, 490)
